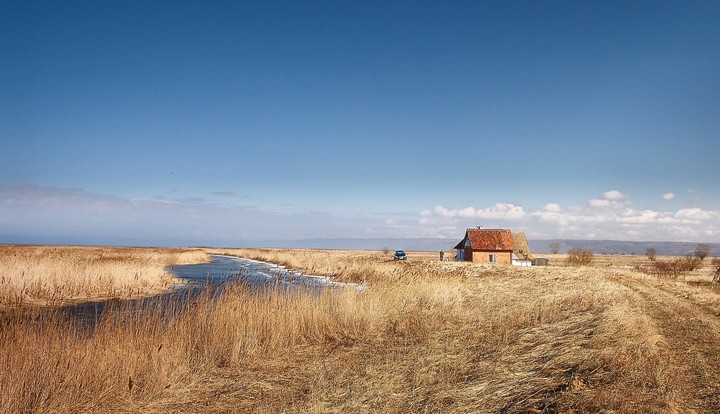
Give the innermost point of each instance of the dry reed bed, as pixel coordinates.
(55, 275)
(425, 337)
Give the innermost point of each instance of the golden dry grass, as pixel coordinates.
(60, 274)
(425, 336)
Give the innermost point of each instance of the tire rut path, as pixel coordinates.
(692, 335)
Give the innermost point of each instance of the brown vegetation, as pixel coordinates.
(578, 256)
(425, 336)
(671, 268)
(702, 251)
(60, 274)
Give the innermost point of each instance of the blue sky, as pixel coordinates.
(229, 122)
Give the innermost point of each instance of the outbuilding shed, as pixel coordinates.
(521, 252)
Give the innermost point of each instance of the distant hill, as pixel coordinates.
(421, 244)
(623, 247)
(536, 246)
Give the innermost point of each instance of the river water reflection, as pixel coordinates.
(227, 268)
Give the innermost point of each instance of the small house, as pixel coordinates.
(491, 246)
(494, 246)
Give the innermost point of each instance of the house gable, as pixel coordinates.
(522, 249)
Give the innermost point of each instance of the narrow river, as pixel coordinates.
(213, 275)
(227, 268)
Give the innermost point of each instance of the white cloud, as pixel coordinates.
(609, 216)
(500, 211)
(668, 196)
(443, 211)
(612, 198)
(467, 212)
(599, 202)
(614, 195)
(694, 214)
(553, 207)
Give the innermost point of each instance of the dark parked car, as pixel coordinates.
(400, 255)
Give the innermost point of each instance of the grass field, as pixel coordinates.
(425, 336)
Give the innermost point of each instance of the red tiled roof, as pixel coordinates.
(487, 239)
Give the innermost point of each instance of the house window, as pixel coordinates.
(491, 258)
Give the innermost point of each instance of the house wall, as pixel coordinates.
(482, 256)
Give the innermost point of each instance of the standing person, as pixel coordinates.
(442, 254)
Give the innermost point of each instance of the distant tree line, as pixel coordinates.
(626, 247)
(672, 268)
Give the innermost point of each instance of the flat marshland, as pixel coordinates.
(54, 275)
(424, 336)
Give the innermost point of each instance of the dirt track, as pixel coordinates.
(691, 343)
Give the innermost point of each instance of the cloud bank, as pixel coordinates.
(36, 214)
(610, 216)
